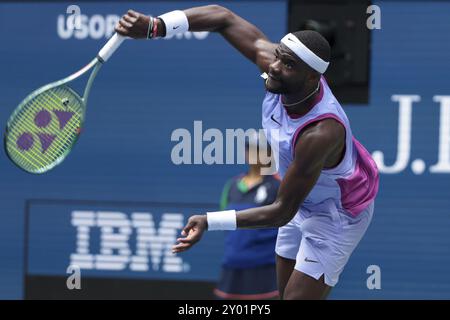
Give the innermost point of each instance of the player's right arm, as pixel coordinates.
(318, 146)
(241, 34)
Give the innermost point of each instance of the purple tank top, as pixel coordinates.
(353, 184)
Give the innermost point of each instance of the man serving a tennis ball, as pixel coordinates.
(326, 198)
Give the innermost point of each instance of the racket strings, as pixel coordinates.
(39, 103)
(26, 117)
(41, 158)
(72, 125)
(35, 158)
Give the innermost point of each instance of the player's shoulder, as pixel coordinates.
(323, 134)
(327, 128)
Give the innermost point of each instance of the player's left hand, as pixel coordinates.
(192, 233)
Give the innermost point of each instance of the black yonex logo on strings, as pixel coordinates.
(65, 102)
(42, 120)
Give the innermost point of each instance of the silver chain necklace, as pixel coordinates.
(304, 99)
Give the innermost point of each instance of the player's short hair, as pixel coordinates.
(315, 42)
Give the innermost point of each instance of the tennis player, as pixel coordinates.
(329, 181)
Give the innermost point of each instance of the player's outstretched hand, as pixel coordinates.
(133, 24)
(192, 233)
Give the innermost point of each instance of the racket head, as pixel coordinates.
(43, 129)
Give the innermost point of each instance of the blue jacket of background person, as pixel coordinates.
(246, 248)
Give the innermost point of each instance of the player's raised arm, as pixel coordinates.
(243, 35)
(316, 147)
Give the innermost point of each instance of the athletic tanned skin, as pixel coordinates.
(320, 145)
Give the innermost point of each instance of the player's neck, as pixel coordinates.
(301, 103)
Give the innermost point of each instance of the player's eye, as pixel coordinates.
(288, 65)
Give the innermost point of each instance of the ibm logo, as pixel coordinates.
(153, 245)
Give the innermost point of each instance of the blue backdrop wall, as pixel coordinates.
(120, 188)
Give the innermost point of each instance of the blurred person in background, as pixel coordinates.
(248, 267)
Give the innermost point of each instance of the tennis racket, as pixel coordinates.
(45, 126)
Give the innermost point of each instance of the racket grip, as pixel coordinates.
(108, 49)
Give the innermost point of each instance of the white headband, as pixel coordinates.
(309, 57)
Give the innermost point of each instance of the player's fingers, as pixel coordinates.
(180, 247)
(188, 239)
(187, 228)
(125, 23)
(129, 19)
(193, 236)
(121, 30)
(132, 13)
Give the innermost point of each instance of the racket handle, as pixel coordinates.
(108, 49)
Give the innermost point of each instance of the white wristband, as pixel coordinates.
(221, 220)
(175, 22)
